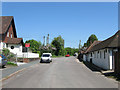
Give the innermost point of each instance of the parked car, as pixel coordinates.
(67, 55)
(3, 60)
(46, 57)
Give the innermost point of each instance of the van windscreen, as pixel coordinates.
(46, 55)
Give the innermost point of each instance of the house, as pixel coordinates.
(8, 35)
(104, 54)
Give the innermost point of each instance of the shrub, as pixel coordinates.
(11, 55)
(5, 52)
(39, 53)
(11, 63)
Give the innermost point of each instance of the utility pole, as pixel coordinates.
(47, 40)
(80, 44)
(44, 41)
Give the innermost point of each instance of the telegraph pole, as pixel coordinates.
(44, 41)
(79, 44)
(48, 40)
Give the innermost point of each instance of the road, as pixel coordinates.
(64, 72)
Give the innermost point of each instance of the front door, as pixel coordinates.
(117, 62)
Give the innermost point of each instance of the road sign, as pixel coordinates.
(27, 44)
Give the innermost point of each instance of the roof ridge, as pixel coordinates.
(114, 36)
(92, 45)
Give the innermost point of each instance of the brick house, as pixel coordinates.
(8, 35)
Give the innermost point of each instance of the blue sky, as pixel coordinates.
(74, 21)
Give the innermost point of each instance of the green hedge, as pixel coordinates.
(11, 63)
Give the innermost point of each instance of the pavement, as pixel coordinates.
(8, 71)
(64, 72)
(20, 63)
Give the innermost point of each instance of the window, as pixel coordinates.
(106, 50)
(12, 47)
(3, 45)
(8, 34)
(97, 54)
(11, 35)
(7, 45)
(91, 54)
(98, 51)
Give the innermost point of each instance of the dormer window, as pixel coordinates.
(8, 34)
(11, 35)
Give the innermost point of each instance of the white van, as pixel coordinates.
(46, 57)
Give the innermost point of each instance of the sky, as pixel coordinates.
(74, 21)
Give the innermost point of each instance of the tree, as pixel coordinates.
(34, 45)
(85, 45)
(91, 39)
(58, 43)
(7, 53)
(80, 46)
(71, 51)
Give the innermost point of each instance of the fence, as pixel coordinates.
(28, 55)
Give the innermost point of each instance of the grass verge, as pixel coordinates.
(56, 56)
(11, 63)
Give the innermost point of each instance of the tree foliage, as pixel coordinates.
(58, 43)
(34, 45)
(6, 52)
(71, 51)
(90, 40)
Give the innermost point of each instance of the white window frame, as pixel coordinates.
(7, 34)
(11, 35)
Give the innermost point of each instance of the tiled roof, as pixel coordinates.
(14, 40)
(92, 46)
(111, 42)
(4, 23)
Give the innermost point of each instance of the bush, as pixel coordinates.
(39, 53)
(11, 55)
(11, 63)
(5, 52)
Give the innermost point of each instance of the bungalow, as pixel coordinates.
(103, 53)
(8, 36)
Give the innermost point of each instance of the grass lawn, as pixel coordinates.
(11, 63)
(56, 56)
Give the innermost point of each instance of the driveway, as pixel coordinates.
(64, 72)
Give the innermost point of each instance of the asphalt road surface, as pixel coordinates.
(64, 72)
